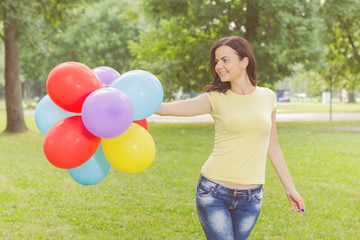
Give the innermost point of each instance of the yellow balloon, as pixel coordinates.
(131, 152)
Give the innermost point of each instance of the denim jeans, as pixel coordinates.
(225, 213)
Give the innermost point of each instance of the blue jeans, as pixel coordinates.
(225, 213)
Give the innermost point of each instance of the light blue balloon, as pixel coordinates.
(144, 91)
(92, 171)
(47, 113)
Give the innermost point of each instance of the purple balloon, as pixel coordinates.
(106, 74)
(107, 113)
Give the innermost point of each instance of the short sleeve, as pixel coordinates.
(273, 100)
(211, 98)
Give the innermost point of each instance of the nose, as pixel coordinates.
(218, 66)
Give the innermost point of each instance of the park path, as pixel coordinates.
(280, 117)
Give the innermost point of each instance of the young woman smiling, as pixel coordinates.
(230, 189)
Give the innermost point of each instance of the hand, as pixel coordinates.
(296, 201)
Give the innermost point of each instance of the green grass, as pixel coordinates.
(39, 201)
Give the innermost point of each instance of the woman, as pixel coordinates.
(229, 191)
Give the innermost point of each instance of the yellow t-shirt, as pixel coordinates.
(242, 133)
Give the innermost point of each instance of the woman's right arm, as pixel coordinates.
(186, 108)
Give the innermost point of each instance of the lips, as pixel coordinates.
(222, 74)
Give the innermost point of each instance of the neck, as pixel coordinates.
(242, 86)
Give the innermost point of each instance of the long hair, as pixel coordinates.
(243, 49)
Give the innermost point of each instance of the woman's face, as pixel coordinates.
(228, 66)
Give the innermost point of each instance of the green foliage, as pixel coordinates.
(169, 8)
(286, 34)
(55, 12)
(95, 35)
(307, 81)
(176, 35)
(25, 15)
(342, 36)
(18, 14)
(40, 201)
(166, 55)
(175, 46)
(99, 36)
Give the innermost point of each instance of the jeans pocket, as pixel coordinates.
(257, 197)
(203, 191)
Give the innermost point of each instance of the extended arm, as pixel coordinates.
(191, 107)
(278, 161)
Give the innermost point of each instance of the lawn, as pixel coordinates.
(39, 201)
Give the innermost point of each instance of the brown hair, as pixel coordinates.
(243, 49)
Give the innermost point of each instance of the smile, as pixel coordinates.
(222, 73)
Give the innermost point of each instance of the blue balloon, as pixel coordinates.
(92, 171)
(144, 90)
(47, 113)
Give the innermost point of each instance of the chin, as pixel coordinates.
(224, 80)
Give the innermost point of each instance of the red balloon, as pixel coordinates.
(68, 144)
(69, 83)
(142, 123)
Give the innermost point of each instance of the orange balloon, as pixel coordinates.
(69, 83)
(68, 144)
(142, 123)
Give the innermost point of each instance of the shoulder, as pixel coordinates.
(217, 99)
(267, 92)
(216, 95)
(269, 96)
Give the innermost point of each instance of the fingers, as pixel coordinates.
(302, 206)
(296, 202)
(297, 208)
(302, 210)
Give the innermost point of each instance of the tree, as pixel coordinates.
(342, 37)
(2, 70)
(17, 17)
(176, 44)
(15, 116)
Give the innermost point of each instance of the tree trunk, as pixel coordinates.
(14, 109)
(351, 97)
(252, 20)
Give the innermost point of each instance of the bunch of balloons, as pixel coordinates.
(89, 127)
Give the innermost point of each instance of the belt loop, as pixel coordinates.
(215, 189)
(200, 179)
(249, 194)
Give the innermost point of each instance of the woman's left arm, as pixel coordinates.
(278, 161)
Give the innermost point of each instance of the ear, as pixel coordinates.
(245, 62)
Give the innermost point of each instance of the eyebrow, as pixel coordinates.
(221, 58)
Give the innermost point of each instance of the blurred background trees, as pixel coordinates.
(176, 46)
(94, 34)
(341, 35)
(302, 42)
(20, 29)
